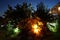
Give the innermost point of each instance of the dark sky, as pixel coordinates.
(4, 3)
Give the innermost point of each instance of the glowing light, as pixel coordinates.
(40, 23)
(34, 26)
(58, 8)
(16, 30)
(52, 26)
(36, 29)
(50, 12)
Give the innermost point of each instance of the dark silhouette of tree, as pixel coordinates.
(8, 13)
(1, 20)
(42, 11)
(17, 12)
(30, 9)
(24, 10)
(20, 12)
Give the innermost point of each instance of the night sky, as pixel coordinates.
(4, 3)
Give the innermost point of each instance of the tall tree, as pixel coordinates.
(24, 10)
(42, 11)
(8, 13)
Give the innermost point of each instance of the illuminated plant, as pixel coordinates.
(16, 31)
(53, 26)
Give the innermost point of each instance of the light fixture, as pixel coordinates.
(58, 8)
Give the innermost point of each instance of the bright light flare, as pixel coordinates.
(36, 31)
(16, 30)
(58, 8)
(36, 28)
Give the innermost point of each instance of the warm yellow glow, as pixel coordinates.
(40, 23)
(34, 26)
(58, 8)
(36, 31)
